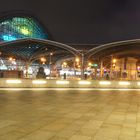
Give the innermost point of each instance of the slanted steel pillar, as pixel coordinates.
(27, 66)
(101, 68)
(74, 68)
(82, 66)
(50, 64)
(111, 68)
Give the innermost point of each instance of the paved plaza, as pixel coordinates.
(69, 115)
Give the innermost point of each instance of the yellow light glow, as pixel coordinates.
(84, 82)
(114, 60)
(114, 65)
(138, 67)
(64, 63)
(39, 82)
(138, 83)
(77, 59)
(89, 64)
(42, 59)
(13, 81)
(10, 58)
(62, 82)
(25, 31)
(124, 83)
(105, 83)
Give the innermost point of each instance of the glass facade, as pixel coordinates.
(20, 27)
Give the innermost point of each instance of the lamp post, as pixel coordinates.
(43, 60)
(101, 69)
(89, 64)
(76, 63)
(113, 65)
(64, 65)
(82, 66)
(11, 59)
(26, 67)
(50, 63)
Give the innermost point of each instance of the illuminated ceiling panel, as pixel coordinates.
(18, 27)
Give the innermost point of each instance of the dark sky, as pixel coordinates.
(84, 21)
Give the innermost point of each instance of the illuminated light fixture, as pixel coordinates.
(62, 82)
(42, 59)
(138, 67)
(51, 53)
(89, 64)
(138, 83)
(114, 60)
(84, 82)
(114, 65)
(105, 83)
(8, 38)
(77, 59)
(64, 63)
(95, 65)
(25, 31)
(39, 82)
(13, 81)
(10, 58)
(124, 83)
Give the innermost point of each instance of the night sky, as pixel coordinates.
(84, 21)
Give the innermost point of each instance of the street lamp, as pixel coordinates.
(10, 58)
(89, 64)
(76, 63)
(114, 63)
(114, 60)
(50, 63)
(113, 66)
(64, 64)
(43, 60)
(12, 61)
(77, 60)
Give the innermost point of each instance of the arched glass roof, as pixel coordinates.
(19, 28)
(24, 37)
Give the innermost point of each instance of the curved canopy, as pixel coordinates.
(30, 49)
(121, 48)
(24, 37)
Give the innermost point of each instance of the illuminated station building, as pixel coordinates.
(26, 45)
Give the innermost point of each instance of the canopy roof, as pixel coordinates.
(30, 49)
(120, 49)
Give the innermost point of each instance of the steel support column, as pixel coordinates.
(82, 66)
(101, 69)
(50, 65)
(26, 66)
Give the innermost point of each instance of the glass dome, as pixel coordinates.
(21, 27)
